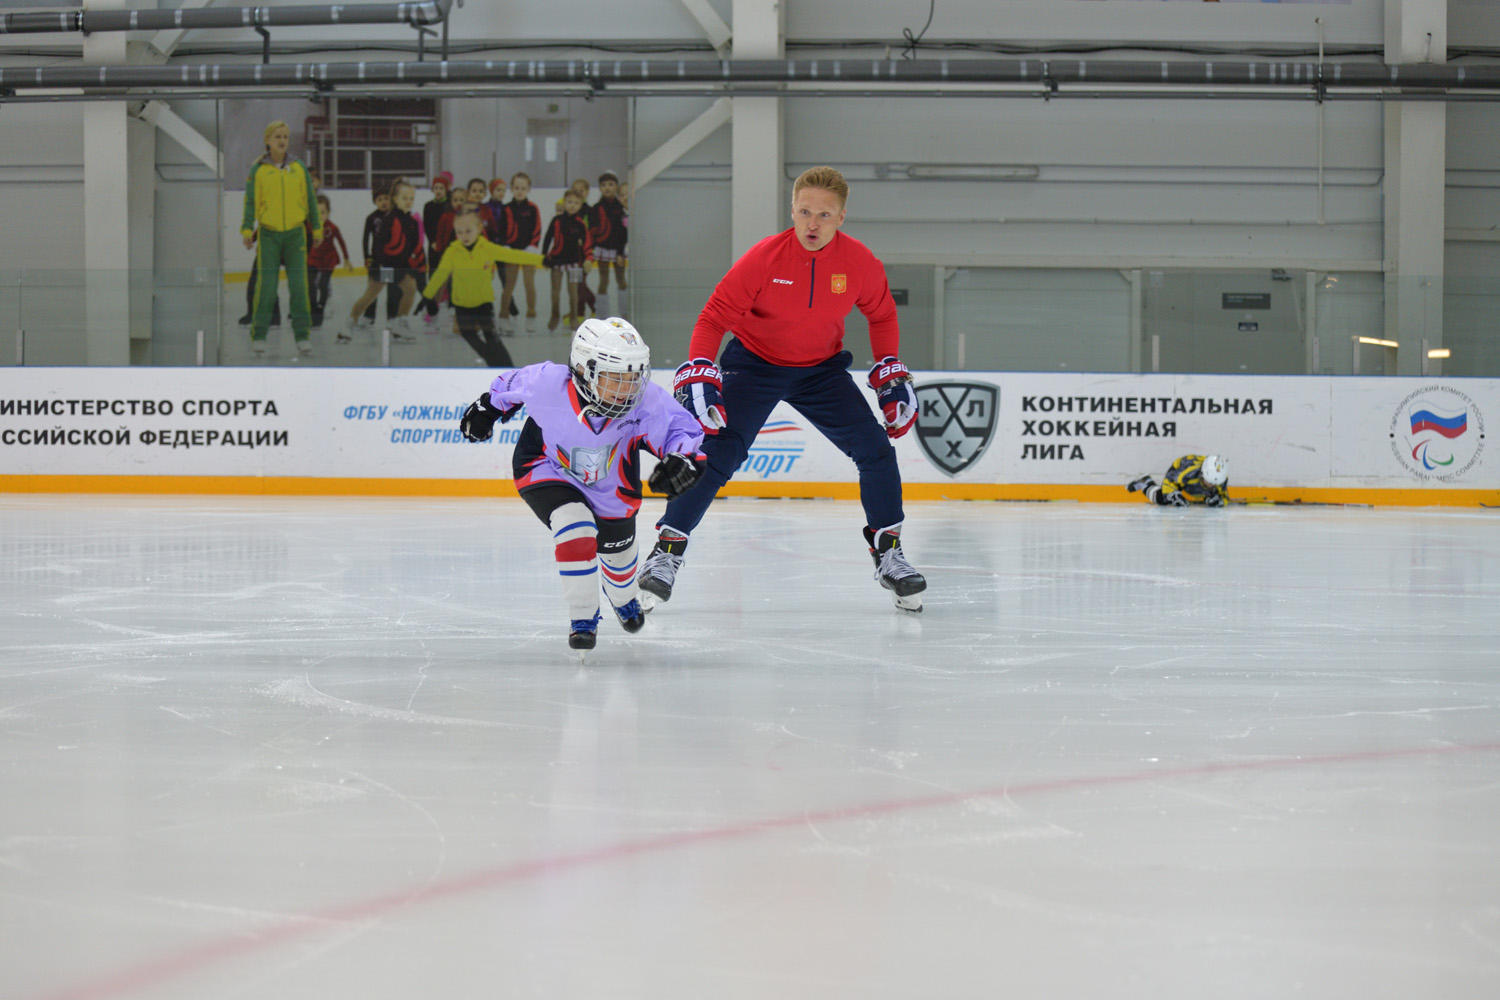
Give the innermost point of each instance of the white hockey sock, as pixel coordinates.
(618, 569)
(575, 537)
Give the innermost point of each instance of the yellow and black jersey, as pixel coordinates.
(1186, 477)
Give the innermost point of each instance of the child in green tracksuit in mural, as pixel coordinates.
(279, 199)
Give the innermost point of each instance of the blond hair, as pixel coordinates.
(825, 178)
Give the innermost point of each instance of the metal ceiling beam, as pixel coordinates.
(669, 152)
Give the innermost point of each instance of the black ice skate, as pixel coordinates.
(1141, 484)
(661, 566)
(585, 633)
(632, 615)
(892, 571)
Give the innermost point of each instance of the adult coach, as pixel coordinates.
(279, 201)
(785, 301)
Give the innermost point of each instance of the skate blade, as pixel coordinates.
(911, 603)
(648, 601)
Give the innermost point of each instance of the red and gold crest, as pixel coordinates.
(840, 284)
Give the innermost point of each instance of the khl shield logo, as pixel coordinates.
(955, 422)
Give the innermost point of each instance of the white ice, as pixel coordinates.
(337, 748)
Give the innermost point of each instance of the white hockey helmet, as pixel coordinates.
(1215, 470)
(611, 366)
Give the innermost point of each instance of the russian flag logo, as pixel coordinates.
(1448, 422)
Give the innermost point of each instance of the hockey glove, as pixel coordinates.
(1215, 499)
(478, 421)
(675, 474)
(896, 395)
(699, 387)
(1176, 499)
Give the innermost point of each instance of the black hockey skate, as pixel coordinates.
(661, 566)
(632, 615)
(893, 572)
(1140, 485)
(585, 632)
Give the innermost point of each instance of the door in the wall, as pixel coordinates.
(546, 152)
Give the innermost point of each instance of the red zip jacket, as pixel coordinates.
(787, 304)
(325, 256)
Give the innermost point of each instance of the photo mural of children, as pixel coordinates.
(469, 264)
(322, 258)
(520, 229)
(610, 231)
(564, 250)
(398, 258)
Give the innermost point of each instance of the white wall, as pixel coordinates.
(1054, 22)
(1156, 183)
(41, 186)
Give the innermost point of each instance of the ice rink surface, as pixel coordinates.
(307, 749)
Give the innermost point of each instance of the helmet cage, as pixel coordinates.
(611, 367)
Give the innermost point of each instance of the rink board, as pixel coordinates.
(981, 435)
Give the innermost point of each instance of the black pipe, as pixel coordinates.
(312, 94)
(90, 21)
(879, 74)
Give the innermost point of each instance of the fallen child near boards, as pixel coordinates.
(1202, 479)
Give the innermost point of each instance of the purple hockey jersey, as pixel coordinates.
(598, 456)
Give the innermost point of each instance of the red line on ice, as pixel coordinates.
(161, 970)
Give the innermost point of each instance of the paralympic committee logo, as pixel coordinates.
(1437, 433)
(955, 422)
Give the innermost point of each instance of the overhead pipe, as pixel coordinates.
(584, 93)
(1218, 79)
(878, 74)
(90, 21)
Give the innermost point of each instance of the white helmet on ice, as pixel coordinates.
(611, 366)
(1215, 470)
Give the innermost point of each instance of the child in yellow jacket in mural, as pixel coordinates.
(280, 202)
(469, 261)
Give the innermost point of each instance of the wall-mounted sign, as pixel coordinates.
(1247, 300)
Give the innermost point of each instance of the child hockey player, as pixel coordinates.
(577, 463)
(1191, 479)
